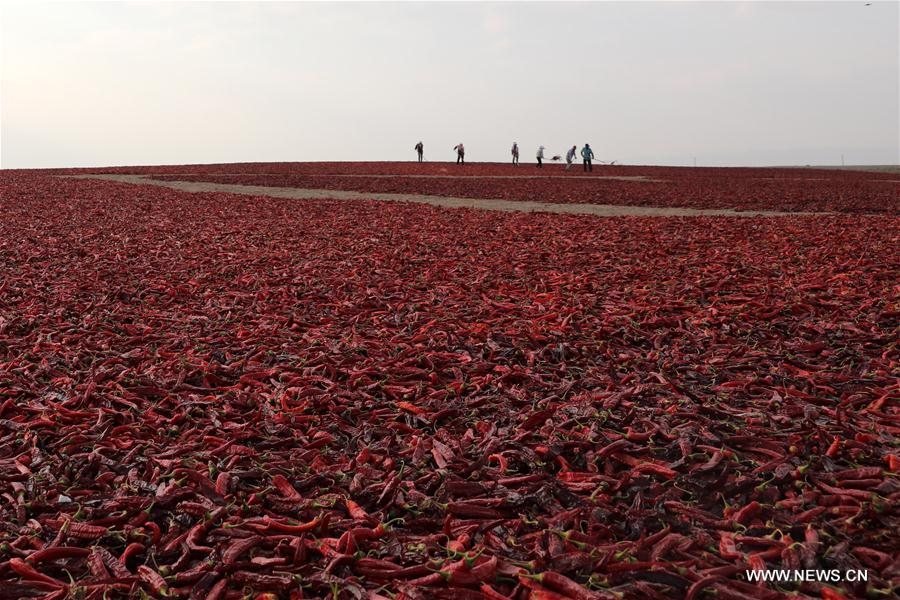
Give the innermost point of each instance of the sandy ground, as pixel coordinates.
(602, 210)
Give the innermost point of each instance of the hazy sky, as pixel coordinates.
(89, 84)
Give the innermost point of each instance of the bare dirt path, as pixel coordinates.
(602, 210)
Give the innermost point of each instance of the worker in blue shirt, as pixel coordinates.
(588, 155)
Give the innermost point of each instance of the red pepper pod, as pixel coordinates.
(154, 581)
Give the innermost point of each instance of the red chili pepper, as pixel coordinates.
(223, 481)
(387, 492)
(512, 482)
(872, 558)
(28, 573)
(85, 531)
(638, 436)
(193, 575)
(712, 463)
(239, 547)
(130, 550)
(348, 541)
(56, 553)
(545, 594)
(285, 487)
(95, 565)
(501, 460)
(809, 515)
(110, 562)
(614, 446)
(558, 582)
(790, 559)
(660, 549)
(355, 511)
(859, 473)
(654, 469)
(699, 585)
(217, 591)
(473, 511)
(893, 463)
(428, 580)
(156, 532)
(491, 593)
(280, 582)
(651, 540)
(727, 547)
(410, 408)
(268, 525)
(745, 514)
(386, 571)
(536, 419)
(154, 581)
(194, 509)
(465, 574)
(841, 492)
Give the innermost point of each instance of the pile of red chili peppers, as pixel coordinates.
(781, 189)
(797, 190)
(222, 396)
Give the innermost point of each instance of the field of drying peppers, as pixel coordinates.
(785, 189)
(719, 189)
(216, 396)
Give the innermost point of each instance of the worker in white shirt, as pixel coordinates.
(570, 157)
(540, 158)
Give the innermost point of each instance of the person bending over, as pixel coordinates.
(570, 157)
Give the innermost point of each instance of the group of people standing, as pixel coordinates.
(587, 155)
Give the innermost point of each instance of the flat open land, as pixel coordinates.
(740, 189)
(364, 392)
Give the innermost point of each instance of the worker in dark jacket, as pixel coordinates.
(460, 153)
(420, 150)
